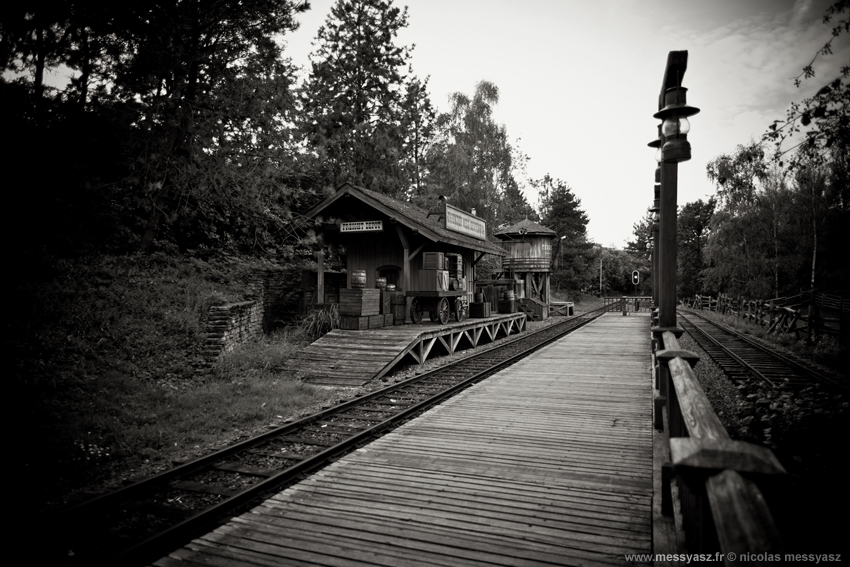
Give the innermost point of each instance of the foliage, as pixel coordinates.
(694, 228)
(561, 211)
(767, 236)
(368, 121)
(822, 120)
(615, 268)
(513, 206)
(320, 322)
(470, 160)
(108, 370)
(640, 247)
(741, 247)
(188, 103)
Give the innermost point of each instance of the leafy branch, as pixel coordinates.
(826, 112)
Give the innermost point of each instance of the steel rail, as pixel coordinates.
(747, 366)
(161, 542)
(797, 366)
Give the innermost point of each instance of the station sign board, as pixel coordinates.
(460, 221)
(362, 226)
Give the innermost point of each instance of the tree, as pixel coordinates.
(641, 253)
(613, 268)
(417, 121)
(470, 159)
(640, 246)
(213, 91)
(362, 114)
(822, 121)
(561, 211)
(737, 245)
(34, 38)
(694, 226)
(188, 103)
(513, 205)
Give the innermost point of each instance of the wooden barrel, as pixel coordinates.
(390, 287)
(381, 283)
(358, 278)
(479, 298)
(508, 295)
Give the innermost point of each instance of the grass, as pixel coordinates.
(109, 381)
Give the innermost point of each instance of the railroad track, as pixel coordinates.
(143, 521)
(741, 357)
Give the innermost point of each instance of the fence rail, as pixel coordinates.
(707, 484)
(627, 303)
(809, 313)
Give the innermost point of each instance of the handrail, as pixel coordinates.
(710, 484)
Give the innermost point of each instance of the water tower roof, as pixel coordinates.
(531, 228)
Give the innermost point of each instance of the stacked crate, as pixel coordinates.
(433, 276)
(454, 266)
(360, 309)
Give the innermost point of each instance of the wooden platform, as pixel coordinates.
(352, 358)
(545, 463)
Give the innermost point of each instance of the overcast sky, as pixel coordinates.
(579, 81)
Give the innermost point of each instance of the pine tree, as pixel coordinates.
(363, 115)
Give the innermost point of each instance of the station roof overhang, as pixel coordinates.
(406, 214)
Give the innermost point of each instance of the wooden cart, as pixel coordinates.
(438, 304)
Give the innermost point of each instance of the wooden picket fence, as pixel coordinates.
(805, 314)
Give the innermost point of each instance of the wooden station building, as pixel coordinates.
(404, 244)
(430, 256)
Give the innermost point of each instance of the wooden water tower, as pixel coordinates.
(529, 258)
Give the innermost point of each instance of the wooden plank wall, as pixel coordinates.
(368, 251)
(548, 462)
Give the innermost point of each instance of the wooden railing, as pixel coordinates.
(526, 264)
(612, 303)
(627, 303)
(709, 484)
(805, 313)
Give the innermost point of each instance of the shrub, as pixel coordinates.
(320, 321)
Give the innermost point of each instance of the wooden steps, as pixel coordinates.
(352, 358)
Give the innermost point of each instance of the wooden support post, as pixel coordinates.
(320, 276)
(405, 267)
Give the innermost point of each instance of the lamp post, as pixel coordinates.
(674, 148)
(653, 231)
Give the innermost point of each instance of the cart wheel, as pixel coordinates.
(432, 313)
(415, 311)
(459, 314)
(443, 310)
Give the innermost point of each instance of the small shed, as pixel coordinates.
(403, 243)
(529, 258)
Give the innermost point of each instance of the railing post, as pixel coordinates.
(720, 510)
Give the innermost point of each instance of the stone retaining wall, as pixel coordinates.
(231, 325)
(275, 296)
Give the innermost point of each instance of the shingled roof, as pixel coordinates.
(410, 216)
(531, 228)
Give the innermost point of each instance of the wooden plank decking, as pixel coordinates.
(352, 358)
(546, 463)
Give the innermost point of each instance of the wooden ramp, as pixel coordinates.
(546, 463)
(352, 358)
